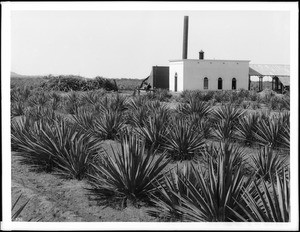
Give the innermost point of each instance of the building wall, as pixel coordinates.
(194, 72)
(176, 67)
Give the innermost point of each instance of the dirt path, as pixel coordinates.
(53, 199)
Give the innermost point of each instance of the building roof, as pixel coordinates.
(204, 60)
(285, 80)
(269, 70)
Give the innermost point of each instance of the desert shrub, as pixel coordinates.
(77, 83)
(183, 142)
(100, 82)
(126, 173)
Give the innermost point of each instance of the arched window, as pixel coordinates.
(220, 83)
(233, 83)
(175, 82)
(205, 84)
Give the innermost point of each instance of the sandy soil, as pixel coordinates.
(53, 199)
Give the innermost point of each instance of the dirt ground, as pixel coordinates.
(53, 199)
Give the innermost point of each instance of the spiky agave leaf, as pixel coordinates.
(270, 203)
(18, 212)
(126, 173)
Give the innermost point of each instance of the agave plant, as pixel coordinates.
(208, 195)
(39, 99)
(126, 173)
(194, 106)
(119, 103)
(246, 128)
(201, 124)
(183, 142)
(18, 109)
(72, 149)
(154, 129)
(273, 132)
(110, 125)
(27, 141)
(227, 112)
(74, 101)
(225, 119)
(267, 162)
(84, 119)
(55, 100)
(270, 202)
(165, 200)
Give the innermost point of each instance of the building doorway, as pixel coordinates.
(220, 83)
(233, 83)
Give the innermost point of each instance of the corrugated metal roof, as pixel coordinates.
(285, 80)
(269, 70)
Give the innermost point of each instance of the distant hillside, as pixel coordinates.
(16, 75)
(13, 74)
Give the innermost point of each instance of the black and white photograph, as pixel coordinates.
(150, 115)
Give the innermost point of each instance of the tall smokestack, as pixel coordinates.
(185, 37)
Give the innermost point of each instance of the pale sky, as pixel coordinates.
(125, 44)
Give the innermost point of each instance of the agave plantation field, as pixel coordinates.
(86, 151)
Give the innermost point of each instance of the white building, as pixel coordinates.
(191, 74)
